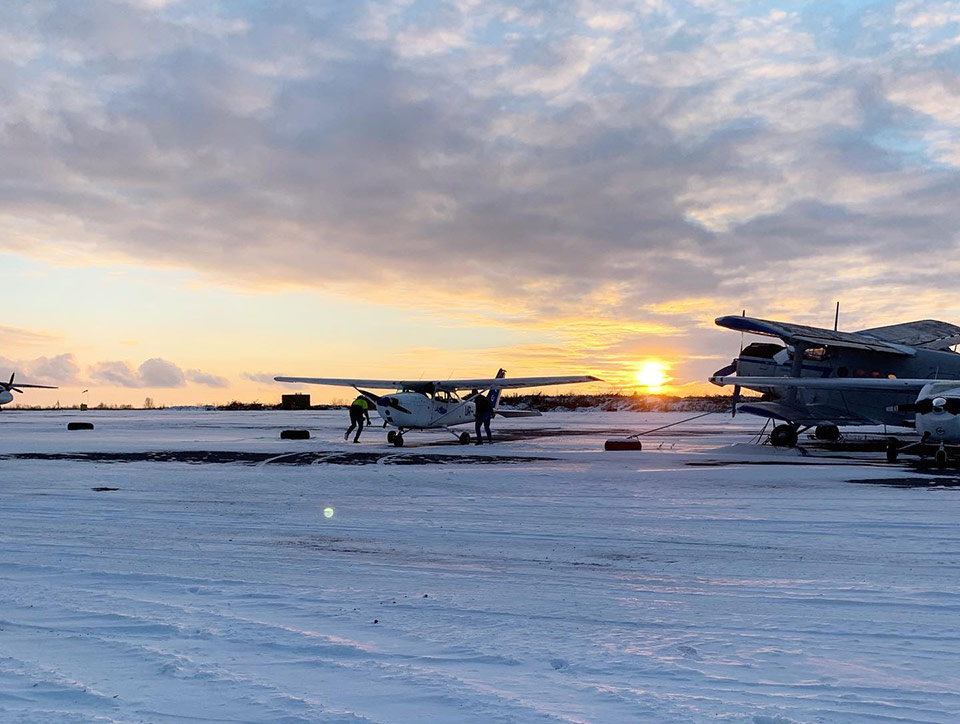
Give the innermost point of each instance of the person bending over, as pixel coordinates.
(359, 410)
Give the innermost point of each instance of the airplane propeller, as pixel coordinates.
(385, 401)
(735, 398)
(8, 386)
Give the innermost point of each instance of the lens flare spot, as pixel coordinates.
(328, 512)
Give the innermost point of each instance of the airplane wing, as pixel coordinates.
(505, 383)
(828, 383)
(800, 333)
(448, 385)
(376, 384)
(925, 333)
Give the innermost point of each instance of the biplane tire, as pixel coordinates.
(391, 436)
(79, 425)
(893, 452)
(398, 440)
(464, 438)
(294, 434)
(831, 433)
(784, 436)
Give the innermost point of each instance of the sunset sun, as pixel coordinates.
(652, 375)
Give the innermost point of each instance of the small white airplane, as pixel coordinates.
(420, 405)
(936, 409)
(7, 389)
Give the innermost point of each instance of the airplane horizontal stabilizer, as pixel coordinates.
(518, 413)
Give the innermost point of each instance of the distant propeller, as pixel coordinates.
(385, 401)
(735, 398)
(8, 386)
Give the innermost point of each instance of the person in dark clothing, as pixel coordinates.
(484, 413)
(358, 410)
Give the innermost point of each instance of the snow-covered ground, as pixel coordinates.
(199, 569)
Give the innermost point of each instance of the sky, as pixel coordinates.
(197, 196)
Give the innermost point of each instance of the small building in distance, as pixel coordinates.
(297, 401)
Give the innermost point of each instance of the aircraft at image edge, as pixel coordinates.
(433, 405)
(8, 388)
(904, 375)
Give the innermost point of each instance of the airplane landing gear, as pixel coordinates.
(397, 440)
(783, 436)
(940, 458)
(892, 452)
(464, 438)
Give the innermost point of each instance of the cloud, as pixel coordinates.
(61, 369)
(16, 336)
(208, 380)
(536, 161)
(155, 373)
(262, 377)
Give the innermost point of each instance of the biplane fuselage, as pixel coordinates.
(842, 355)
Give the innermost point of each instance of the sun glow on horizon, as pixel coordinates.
(652, 375)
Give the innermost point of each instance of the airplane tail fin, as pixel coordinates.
(497, 391)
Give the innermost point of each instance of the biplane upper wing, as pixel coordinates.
(924, 333)
(813, 336)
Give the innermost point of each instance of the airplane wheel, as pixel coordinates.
(464, 438)
(391, 436)
(940, 458)
(827, 432)
(783, 436)
(398, 440)
(892, 452)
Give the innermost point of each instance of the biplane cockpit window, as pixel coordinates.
(816, 353)
(761, 350)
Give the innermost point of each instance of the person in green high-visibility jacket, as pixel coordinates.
(358, 410)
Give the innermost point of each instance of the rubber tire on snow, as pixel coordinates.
(398, 440)
(464, 438)
(391, 436)
(784, 436)
(294, 434)
(830, 433)
(79, 425)
(892, 452)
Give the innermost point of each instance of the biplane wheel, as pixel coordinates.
(784, 436)
(398, 440)
(464, 438)
(830, 433)
(892, 452)
(391, 436)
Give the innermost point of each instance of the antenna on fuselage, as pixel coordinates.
(836, 318)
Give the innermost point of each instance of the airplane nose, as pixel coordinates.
(939, 403)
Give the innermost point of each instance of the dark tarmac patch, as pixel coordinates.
(104, 490)
(946, 480)
(207, 457)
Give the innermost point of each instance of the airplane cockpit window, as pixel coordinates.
(761, 350)
(816, 354)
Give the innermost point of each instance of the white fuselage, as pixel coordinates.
(5, 397)
(937, 419)
(425, 411)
